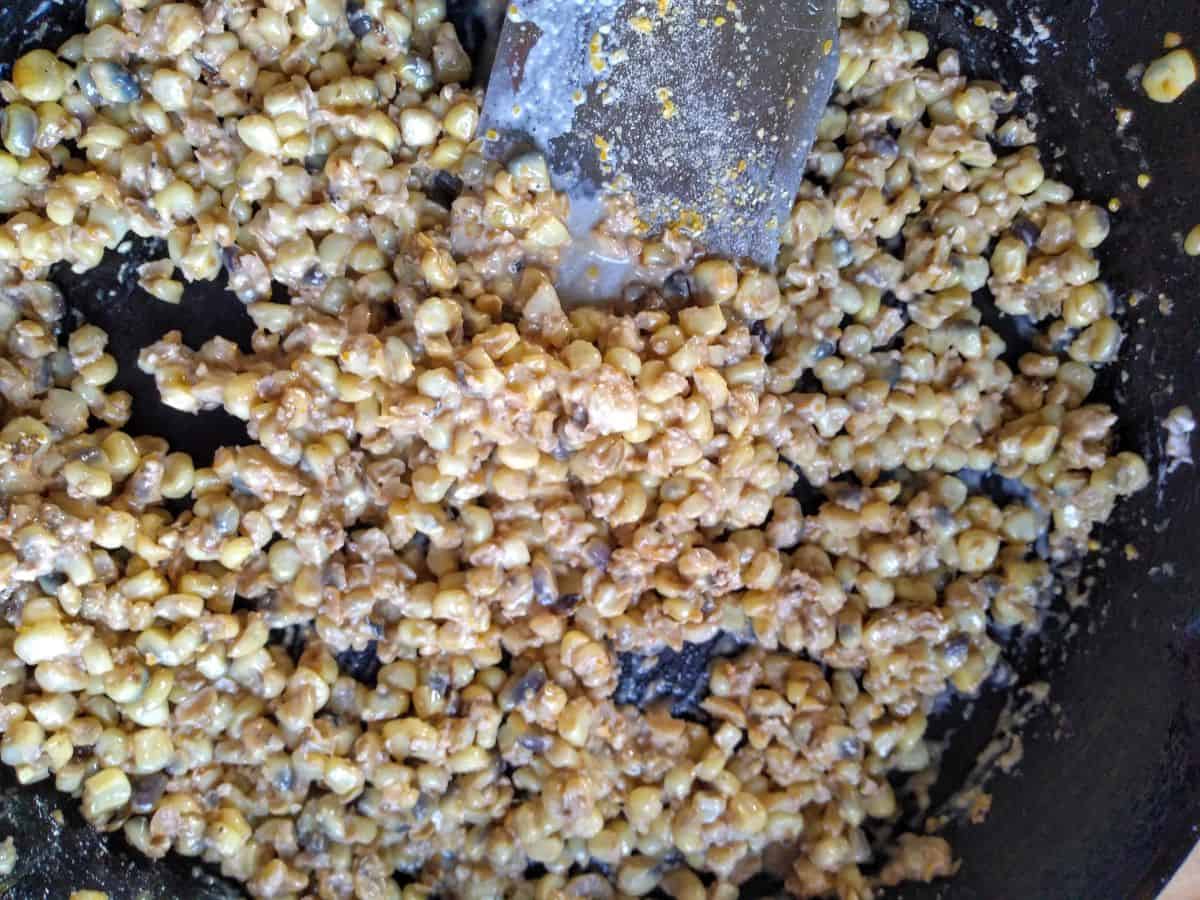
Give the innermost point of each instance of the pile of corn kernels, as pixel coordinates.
(502, 498)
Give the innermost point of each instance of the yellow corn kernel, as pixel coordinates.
(1169, 76)
(107, 790)
(1191, 243)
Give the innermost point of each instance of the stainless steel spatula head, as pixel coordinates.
(702, 110)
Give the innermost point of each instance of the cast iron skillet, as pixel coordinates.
(1106, 800)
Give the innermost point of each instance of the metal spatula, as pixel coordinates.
(702, 110)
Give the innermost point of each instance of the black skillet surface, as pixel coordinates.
(1106, 800)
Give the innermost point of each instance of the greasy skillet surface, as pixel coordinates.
(1107, 797)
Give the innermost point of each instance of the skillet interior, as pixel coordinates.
(1107, 797)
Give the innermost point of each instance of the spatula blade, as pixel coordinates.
(703, 111)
